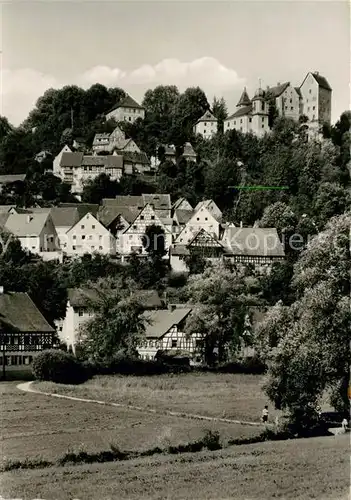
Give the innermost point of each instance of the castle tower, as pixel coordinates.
(244, 99)
(259, 125)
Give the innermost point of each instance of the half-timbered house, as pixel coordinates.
(206, 217)
(165, 332)
(24, 332)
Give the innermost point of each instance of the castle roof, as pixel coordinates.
(322, 81)
(127, 102)
(245, 110)
(207, 117)
(244, 99)
(277, 90)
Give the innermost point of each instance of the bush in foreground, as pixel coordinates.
(58, 366)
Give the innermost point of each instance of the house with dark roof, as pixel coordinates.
(76, 168)
(164, 332)
(126, 110)
(36, 233)
(24, 332)
(252, 245)
(79, 310)
(207, 125)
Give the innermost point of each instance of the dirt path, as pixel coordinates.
(28, 387)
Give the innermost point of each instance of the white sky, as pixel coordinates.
(220, 46)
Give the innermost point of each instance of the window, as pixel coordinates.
(100, 248)
(310, 91)
(130, 118)
(313, 117)
(197, 218)
(83, 236)
(82, 226)
(250, 120)
(314, 107)
(90, 237)
(262, 125)
(206, 218)
(241, 120)
(152, 217)
(234, 122)
(93, 226)
(290, 100)
(205, 124)
(135, 226)
(100, 237)
(142, 217)
(174, 343)
(80, 312)
(262, 119)
(292, 108)
(93, 248)
(130, 236)
(73, 248)
(204, 131)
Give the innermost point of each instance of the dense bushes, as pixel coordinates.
(253, 366)
(60, 367)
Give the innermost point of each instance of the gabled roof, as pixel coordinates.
(244, 99)
(158, 323)
(322, 81)
(85, 216)
(159, 201)
(82, 297)
(207, 117)
(183, 216)
(188, 150)
(6, 208)
(78, 159)
(254, 242)
(124, 201)
(71, 159)
(83, 208)
(26, 224)
(245, 110)
(9, 179)
(18, 311)
(298, 91)
(202, 233)
(179, 202)
(135, 157)
(127, 102)
(108, 213)
(64, 216)
(277, 90)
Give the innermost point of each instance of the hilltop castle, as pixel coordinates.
(312, 99)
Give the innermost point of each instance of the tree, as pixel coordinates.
(306, 345)
(220, 301)
(191, 105)
(5, 127)
(331, 199)
(154, 241)
(220, 111)
(117, 325)
(94, 190)
(195, 263)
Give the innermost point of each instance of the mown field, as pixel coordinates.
(34, 425)
(317, 468)
(233, 396)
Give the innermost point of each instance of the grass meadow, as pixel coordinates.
(37, 426)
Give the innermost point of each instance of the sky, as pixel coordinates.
(136, 45)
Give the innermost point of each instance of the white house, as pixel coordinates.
(287, 99)
(78, 311)
(165, 332)
(36, 232)
(57, 160)
(116, 140)
(76, 168)
(127, 110)
(206, 216)
(182, 204)
(131, 238)
(88, 235)
(207, 125)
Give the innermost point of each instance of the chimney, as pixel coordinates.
(241, 223)
(29, 218)
(1, 289)
(316, 73)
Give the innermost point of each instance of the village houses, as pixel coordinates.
(127, 110)
(207, 125)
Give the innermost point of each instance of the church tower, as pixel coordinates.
(244, 100)
(259, 125)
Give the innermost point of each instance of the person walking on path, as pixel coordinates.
(265, 414)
